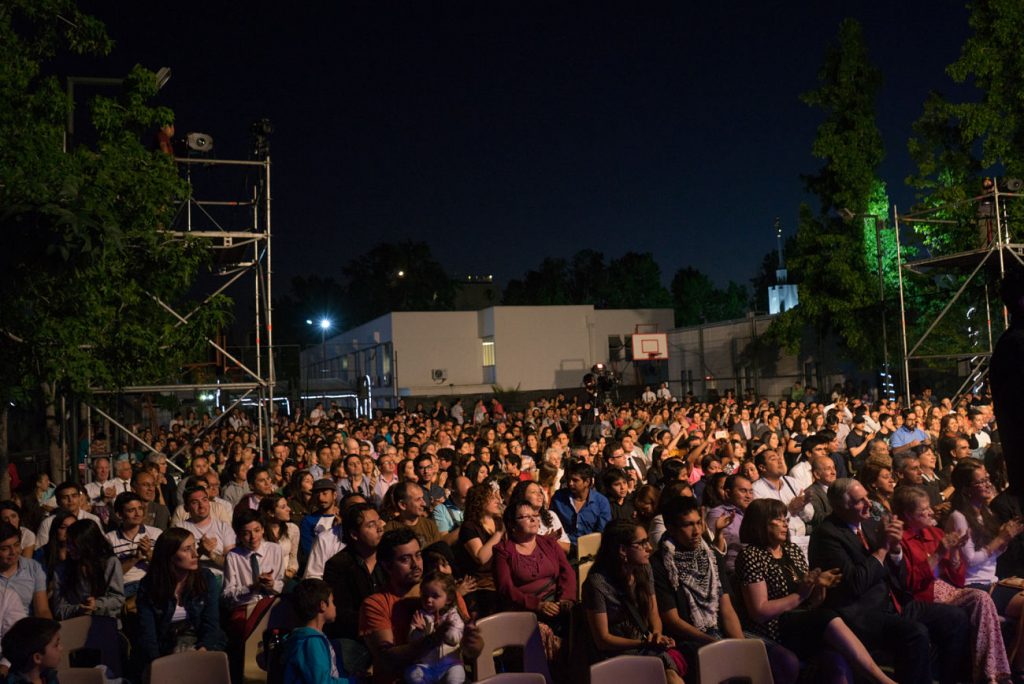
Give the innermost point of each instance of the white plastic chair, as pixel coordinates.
(80, 675)
(627, 668)
(74, 633)
(734, 658)
(509, 678)
(194, 667)
(581, 576)
(511, 629)
(588, 545)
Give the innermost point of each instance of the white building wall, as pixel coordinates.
(542, 347)
(716, 351)
(437, 340)
(535, 348)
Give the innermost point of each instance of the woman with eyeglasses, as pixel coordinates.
(532, 573)
(783, 598)
(972, 516)
(618, 595)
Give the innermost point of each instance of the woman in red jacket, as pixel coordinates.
(532, 573)
(935, 570)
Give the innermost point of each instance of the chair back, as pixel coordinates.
(80, 675)
(581, 576)
(733, 659)
(588, 545)
(511, 629)
(74, 634)
(626, 668)
(510, 678)
(194, 667)
(253, 662)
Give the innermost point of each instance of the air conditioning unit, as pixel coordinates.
(438, 374)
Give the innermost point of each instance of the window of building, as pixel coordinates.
(488, 351)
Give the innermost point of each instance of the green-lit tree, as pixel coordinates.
(829, 255)
(84, 255)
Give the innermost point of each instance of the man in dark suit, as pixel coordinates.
(871, 597)
(823, 472)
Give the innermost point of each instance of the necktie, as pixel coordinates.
(892, 595)
(254, 565)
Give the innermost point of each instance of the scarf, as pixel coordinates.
(697, 572)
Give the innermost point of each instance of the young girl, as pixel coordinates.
(437, 623)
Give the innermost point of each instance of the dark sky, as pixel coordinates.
(504, 132)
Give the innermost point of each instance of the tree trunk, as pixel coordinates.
(53, 431)
(5, 478)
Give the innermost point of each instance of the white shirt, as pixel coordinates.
(219, 510)
(801, 475)
(125, 548)
(94, 489)
(238, 573)
(797, 529)
(43, 535)
(216, 529)
(327, 544)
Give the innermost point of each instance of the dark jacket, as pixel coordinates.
(350, 583)
(156, 638)
(865, 590)
(818, 498)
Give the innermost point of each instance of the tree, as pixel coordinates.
(85, 256)
(634, 282)
(396, 277)
(828, 259)
(696, 300)
(548, 285)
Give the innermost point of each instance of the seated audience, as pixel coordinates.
(618, 596)
(936, 567)
(868, 556)
(533, 573)
(89, 580)
(132, 541)
(783, 598)
(178, 601)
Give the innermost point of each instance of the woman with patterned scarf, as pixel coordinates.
(692, 590)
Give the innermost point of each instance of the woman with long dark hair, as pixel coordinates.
(618, 595)
(275, 514)
(178, 601)
(971, 516)
(300, 494)
(481, 530)
(89, 581)
(53, 553)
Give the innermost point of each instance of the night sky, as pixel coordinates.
(501, 133)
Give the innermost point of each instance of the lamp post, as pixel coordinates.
(848, 216)
(325, 325)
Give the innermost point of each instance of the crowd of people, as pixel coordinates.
(859, 540)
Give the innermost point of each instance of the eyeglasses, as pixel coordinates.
(982, 483)
(642, 543)
(528, 517)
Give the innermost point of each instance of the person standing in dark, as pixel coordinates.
(1006, 376)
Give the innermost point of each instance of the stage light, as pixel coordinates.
(199, 142)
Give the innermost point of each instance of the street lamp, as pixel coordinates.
(849, 216)
(325, 325)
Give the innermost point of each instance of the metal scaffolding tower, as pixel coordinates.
(238, 234)
(998, 250)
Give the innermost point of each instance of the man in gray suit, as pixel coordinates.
(823, 472)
